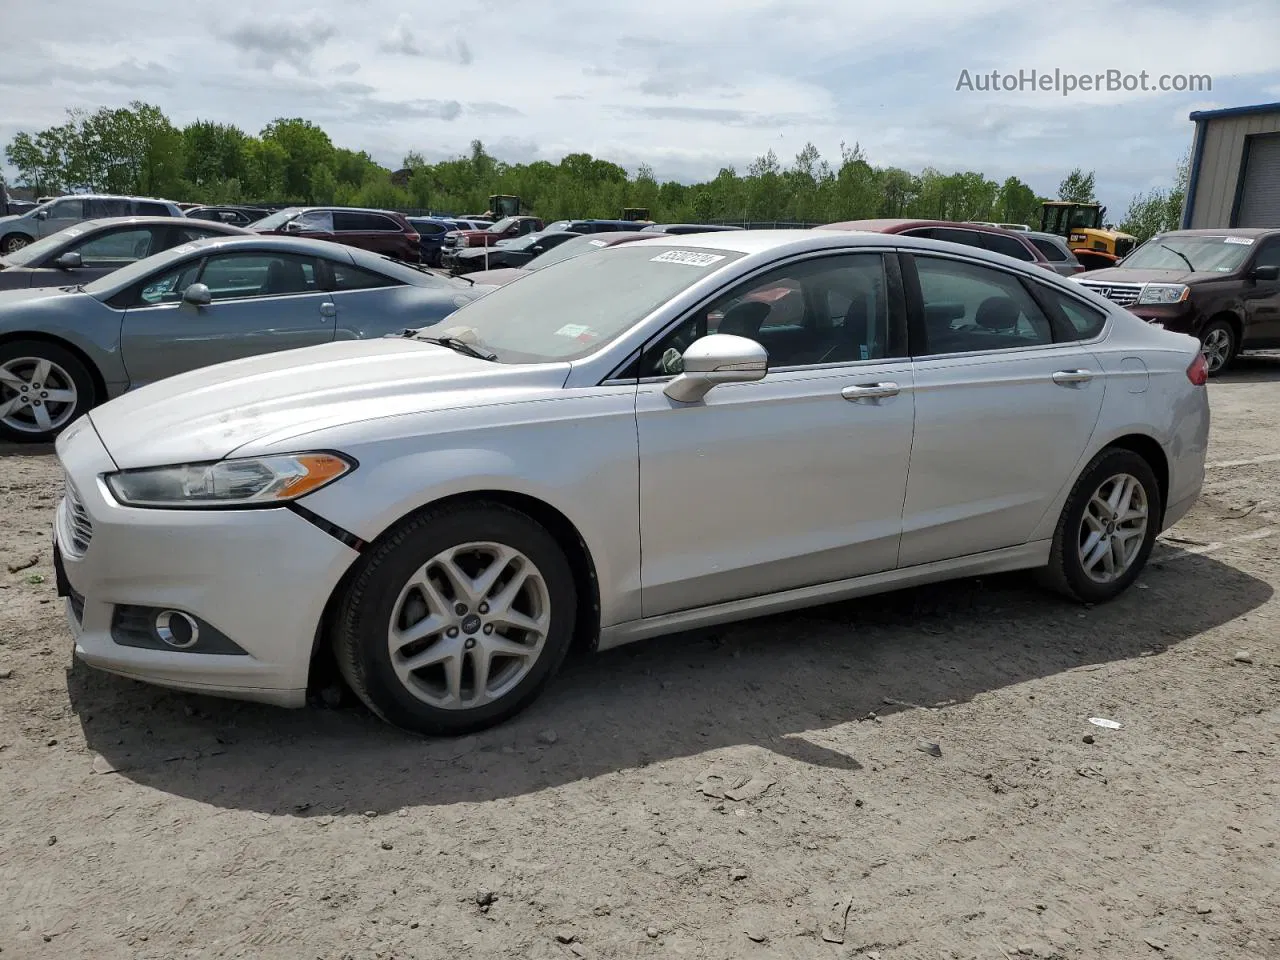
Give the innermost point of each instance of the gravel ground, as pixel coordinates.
(770, 791)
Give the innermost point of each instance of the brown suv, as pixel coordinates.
(378, 231)
(1009, 242)
(1222, 286)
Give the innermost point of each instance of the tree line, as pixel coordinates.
(137, 150)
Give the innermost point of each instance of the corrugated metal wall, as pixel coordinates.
(1224, 139)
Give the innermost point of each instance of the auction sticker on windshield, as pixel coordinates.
(689, 258)
(1244, 241)
(573, 330)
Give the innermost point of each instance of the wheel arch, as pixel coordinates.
(99, 381)
(1230, 317)
(1149, 449)
(562, 529)
(4, 237)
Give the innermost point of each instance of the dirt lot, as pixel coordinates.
(606, 823)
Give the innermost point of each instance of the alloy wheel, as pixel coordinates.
(1113, 528)
(469, 625)
(1216, 348)
(36, 395)
(15, 243)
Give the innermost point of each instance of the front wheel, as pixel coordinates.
(457, 619)
(14, 242)
(1219, 346)
(43, 388)
(1107, 528)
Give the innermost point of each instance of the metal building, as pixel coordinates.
(1235, 168)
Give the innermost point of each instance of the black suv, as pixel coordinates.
(1222, 286)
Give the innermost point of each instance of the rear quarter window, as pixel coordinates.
(1052, 252)
(1009, 246)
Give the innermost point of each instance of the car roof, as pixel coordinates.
(1040, 235)
(110, 196)
(783, 242)
(159, 222)
(1254, 232)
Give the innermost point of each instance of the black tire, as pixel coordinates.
(1217, 359)
(69, 365)
(13, 241)
(1066, 573)
(360, 639)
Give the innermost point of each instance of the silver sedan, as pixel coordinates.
(65, 349)
(658, 436)
(94, 248)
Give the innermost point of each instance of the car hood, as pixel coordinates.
(206, 414)
(492, 279)
(1123, 275)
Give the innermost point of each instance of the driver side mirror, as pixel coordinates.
(197, 295)
(293, 226)
(69, 261)
(715, 359)
(1266, 273)
(42, 214)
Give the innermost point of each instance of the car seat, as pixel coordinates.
(284, 276)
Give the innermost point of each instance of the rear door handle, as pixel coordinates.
(1071, 378)
(328, 310)
(870, 391)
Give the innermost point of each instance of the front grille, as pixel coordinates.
(1124, 294)
(79, 526)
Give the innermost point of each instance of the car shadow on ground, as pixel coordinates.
(25, 449)
(763, 683)
(1252, 368)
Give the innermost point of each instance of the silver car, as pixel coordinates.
(65, 349)
(1056, 251)
(94, 248)
(657, 436)
(59, 213)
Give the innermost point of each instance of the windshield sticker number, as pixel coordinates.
(573, 330)
(1243, 241)
(688, 257)
(597, 243)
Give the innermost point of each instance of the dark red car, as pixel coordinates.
(1008, 242)
(378, 231)
(505, 229)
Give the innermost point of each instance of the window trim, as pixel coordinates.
(915, 304)
(899, 334)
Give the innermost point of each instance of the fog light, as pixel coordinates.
(179, 630)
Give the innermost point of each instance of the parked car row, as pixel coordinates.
(654, 435)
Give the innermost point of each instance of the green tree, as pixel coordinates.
(1078, 187)
(305, 146)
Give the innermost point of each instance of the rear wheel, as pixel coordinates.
(43, 388)
(1107, 528)
(1219, 344)
(457, 620)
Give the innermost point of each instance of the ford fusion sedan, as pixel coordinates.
(65, 349)
(576, 456)
(94, 248)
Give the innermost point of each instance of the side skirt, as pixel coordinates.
(1025, 556)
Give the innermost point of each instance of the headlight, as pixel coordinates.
(249, 482)
(1164, 293)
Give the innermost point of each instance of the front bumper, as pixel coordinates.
(259, 578)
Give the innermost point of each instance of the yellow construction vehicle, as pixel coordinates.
(1094, 245)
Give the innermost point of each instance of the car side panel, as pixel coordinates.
(387, 310)
(77, 319)
(575, 451)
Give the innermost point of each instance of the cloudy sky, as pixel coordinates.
(685, 85)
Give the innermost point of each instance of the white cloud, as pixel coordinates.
(686, 87)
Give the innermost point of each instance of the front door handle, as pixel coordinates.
(870, 391)
(328, 311)
(1072, 378)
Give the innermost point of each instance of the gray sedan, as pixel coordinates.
(94, 248)
(66, 349)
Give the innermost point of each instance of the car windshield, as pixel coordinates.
(34, 251)
(566, 251)
(276, 220)
(1211, 254)
(578, 306)
(501, 225)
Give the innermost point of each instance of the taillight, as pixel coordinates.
(413, 237)
(1078, 268)
(1198, 372)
